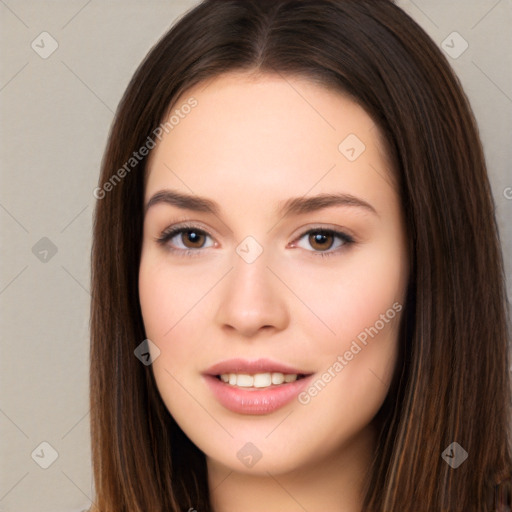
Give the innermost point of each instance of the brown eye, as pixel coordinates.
(325, 242)
(192, 239)
(321, 240)
(186, 240)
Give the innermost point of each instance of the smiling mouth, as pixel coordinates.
(246, 388)
(259, 380)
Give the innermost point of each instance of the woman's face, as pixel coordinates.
(292, 260)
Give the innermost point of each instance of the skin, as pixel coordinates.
(251, 142)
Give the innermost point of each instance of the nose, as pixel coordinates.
(252, 299)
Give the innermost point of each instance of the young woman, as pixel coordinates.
(298, 289)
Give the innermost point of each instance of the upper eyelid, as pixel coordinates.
(179, 226)
(176, 230)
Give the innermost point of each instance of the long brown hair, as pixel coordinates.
(452, 383)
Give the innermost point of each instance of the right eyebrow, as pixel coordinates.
(184, 201)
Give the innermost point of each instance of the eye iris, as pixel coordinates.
(320, 238)
(192, 237)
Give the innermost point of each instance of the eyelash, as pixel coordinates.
(170, 233)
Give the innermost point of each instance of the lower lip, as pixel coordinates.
(255, 401)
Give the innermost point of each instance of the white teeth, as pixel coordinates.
(262, 380)
(277, 378)
(258, 380)
(244, 381)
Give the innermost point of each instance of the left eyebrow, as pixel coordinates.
(301, 205)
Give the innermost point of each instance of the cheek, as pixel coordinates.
(169, 321)
(167, 296)
(154, 298)
(357, 346)
(173, 303)
(366, 285)
(355, 367)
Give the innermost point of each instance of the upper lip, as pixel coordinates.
(255, 366)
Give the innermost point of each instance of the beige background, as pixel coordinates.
(55, 114)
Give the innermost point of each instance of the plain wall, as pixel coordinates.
(56, 113)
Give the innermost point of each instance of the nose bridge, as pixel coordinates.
(251, 296)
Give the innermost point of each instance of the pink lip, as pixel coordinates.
(258, 366)
(254, 400)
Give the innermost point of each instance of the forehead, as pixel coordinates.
(265, 136)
